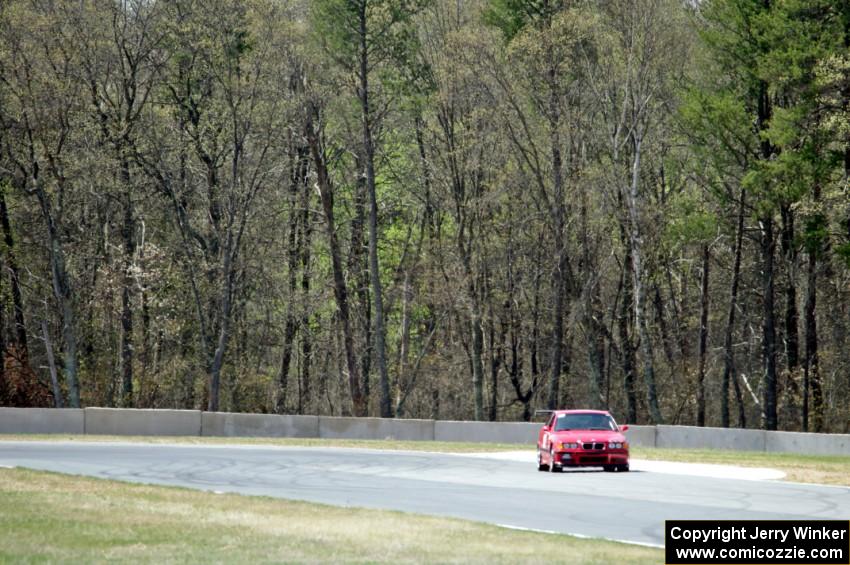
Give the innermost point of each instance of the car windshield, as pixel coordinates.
(585, 422)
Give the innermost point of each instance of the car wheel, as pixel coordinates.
(552, 466)
(610, 468)
(623, 468)
(540, 465)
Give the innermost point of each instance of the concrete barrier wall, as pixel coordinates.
(228, 424)
(641, 436)
(42, 421)
(486, 432)
(114, 421)
(376, 428)
(691, 437)
(815, 444)
(130, 422)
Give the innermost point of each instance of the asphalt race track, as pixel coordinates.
(624, 506)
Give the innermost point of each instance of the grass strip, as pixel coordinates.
(820, 469)
(60, 518)
(402, 445)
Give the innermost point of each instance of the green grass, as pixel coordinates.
(433, 446)
(58, 518)
(821, 469)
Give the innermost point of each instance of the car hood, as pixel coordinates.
(588, 435)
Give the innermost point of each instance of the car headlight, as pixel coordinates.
(615, 445)
(568, 445)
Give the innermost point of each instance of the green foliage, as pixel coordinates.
(815, 233)
(390, 32)
(511, 16)
(843, 251)
(778, 47)
(719, 123)
(690, 221)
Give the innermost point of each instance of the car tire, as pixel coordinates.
(552, 467)
(541, 466)
(610, 468)
(623, 468)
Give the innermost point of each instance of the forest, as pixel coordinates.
(453, 209)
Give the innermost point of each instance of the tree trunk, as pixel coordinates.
(289, 332)
(12, 262)
(768, 324)
(404, 350)
(514, 331)
(703, 336)
(63, 294)
(4, 387)
(51, 364)
(297, 178)
(595, 347)
(515, 375)
(477, 352)
(358, 267)
(340, 289)
(464, 238)
(533, 346)
(628, 357)
(811, 369)
(304, 384)
(768, 245)
(558, 273)
(788, 385)
(566, 364)
(729, 370)
(658, 303)
(639, 292)
(495, 364)
(384, 383)
(226, 306)
(792, 340)
(128, 235)
(291, 324)
(145, 400)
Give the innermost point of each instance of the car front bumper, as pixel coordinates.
(580, 458)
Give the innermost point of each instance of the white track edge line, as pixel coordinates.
(581, 536)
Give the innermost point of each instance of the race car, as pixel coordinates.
(582, 438)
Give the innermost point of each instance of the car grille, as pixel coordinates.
(591, 446)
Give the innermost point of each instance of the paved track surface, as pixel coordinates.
(624, 506)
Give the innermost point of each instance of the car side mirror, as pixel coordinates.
(624, 428)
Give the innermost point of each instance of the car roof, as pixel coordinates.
(562, 412)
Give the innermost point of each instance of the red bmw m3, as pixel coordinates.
(582, 438)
